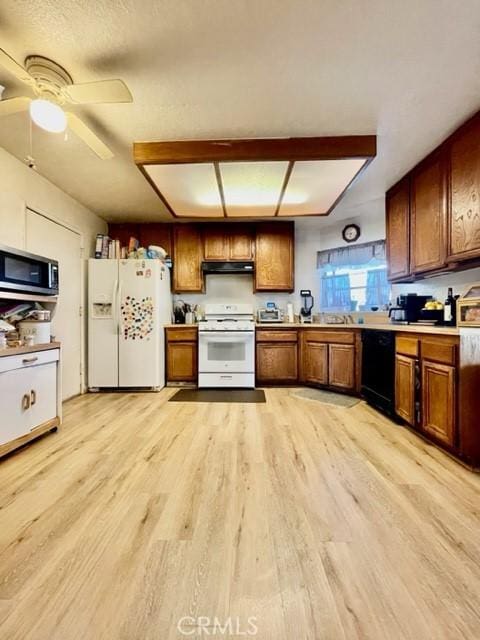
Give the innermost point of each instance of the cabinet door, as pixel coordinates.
(216, 243)
(182, 362)
(464, 214)
(405, 381)
(15, 420)
(276, 362)
(274, 249)
(314, 367)
(43, 394)
(438, 401)
(398, 230)
(341, 366)
(241, 243)
(187, 259)
(428, 215)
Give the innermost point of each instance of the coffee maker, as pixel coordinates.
(408, 308)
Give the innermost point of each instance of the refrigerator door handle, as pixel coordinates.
(114, 305)
(119, 302)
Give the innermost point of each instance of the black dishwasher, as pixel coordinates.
(378, 369)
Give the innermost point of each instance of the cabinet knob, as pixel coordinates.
(29, 360)
(33, 397)
(26, 402)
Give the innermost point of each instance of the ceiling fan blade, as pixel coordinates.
(14, 105)
(8, 63)
(88, 137)
(103, 91)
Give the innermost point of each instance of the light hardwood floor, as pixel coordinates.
(320, 522)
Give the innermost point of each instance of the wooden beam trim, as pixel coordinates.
(255, 149)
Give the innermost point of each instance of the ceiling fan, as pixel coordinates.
(53, 88)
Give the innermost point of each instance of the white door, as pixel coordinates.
(47, 238)
(139, 347)
(102, 323)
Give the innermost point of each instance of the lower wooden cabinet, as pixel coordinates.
(438, 401)
(181, 354)
(405, 381)
(276, 362)
(326, 362)
(341, 366)
(314, 367)
(425, 384)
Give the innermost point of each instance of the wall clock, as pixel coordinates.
(351, 233)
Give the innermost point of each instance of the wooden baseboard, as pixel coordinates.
(28, 437)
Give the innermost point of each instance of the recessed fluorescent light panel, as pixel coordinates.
(254, 177)
(191, 190)
(320, 183)
(252, 188)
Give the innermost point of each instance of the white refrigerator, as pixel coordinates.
(129, 302)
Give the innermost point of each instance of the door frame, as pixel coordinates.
(78, 232)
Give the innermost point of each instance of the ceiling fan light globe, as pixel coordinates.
(48, 115)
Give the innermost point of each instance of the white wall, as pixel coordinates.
(311, 235)
(22, 187)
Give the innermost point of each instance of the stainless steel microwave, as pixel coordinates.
(27, 273)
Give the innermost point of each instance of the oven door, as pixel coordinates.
(27, 273)
(232, 351)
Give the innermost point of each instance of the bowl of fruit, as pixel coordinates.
(432, 311)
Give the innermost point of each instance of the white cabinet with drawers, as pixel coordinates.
(29, 397)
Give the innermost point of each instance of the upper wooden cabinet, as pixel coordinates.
(187, 259)
(241, 243)
(464, 222)
(398, 230)
(274, 262)
(439, 201)
(428, 215)
(216, 242)
(224, 242)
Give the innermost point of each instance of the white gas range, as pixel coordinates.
(226, 346)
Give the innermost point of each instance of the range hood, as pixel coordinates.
(227, 267)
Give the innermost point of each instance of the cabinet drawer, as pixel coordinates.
(9, 363)
(276, 336)
(407, 346)
(439, 352)
(182, 335)
(337, 337)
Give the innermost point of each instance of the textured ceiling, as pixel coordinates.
(408, 70)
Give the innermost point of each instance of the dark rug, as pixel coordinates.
(219, 395)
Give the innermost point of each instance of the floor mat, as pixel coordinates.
(219, 395)
(329, 397)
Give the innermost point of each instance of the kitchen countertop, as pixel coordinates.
(17, 351)
(409, 328)
(421, 328)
